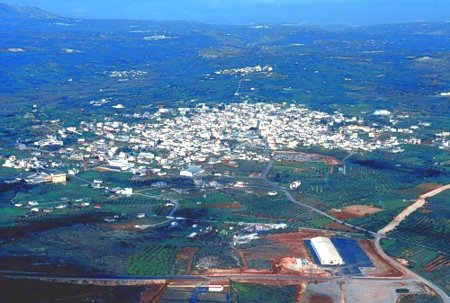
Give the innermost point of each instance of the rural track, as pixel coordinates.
(377, 235)
(393, 224)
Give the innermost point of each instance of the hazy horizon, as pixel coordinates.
(345, 12)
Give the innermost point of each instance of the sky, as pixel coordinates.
(345, 12)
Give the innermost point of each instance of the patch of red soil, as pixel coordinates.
(383, 268)
(294, 241)
(273, 248)
(188, 254)
(332, 161)
(355, 211)
(439, 262)
(316, 298)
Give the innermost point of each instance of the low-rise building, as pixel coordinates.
(326, 252)
(192, 171)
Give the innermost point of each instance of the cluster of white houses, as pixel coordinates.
(184, 138)
(238, 131)
(246, 70)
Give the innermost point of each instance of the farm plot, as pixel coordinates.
(246, 293)
(153, 261)
(197, 200)
(423, 240)
(260, 207)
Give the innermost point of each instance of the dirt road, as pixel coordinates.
(392, 225)
(410, 209)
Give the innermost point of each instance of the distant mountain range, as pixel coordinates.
(24, 12)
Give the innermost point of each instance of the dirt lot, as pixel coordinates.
(355, 211)
(320, 299)
(274, 248)
(383, 268)
(290, 156)
(332, 161)
(326, 292)
(294, 242)
(370, 291)
(128, 226)
(187, 255)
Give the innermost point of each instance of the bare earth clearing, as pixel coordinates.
(355, 211)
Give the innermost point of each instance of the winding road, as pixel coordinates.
(377, 235)
(276, 187)
(133, 280)
(393, 224)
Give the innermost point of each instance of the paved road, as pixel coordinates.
(345, 164)
(378, 235)
(392, 225)
(408, 273)
(274, 186)
(175, 207)
(129, 280)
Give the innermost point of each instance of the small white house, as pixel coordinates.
(128, 191)
(192, 171)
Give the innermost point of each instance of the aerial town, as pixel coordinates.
(179, 161)
(184, 138)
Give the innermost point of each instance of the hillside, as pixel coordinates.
(23, 12)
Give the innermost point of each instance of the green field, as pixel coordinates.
(153, 261)
(254, 293)
(421, 240)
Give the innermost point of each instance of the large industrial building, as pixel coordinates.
(326, 251)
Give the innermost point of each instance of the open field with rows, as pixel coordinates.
(423, 240)
(383, 180)
(153, 261)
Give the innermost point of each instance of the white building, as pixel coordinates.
(192, 171)
(127, 191)
(326, 252)
(121, 163)
(295, 185)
